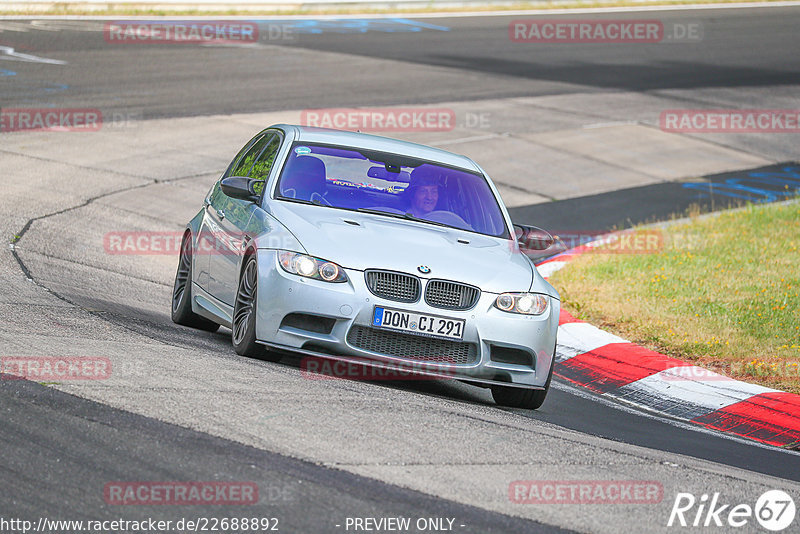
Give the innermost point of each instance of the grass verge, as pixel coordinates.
(719, 291)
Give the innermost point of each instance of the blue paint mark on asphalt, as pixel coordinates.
(36, 92)
(755, 186)
(387, 25)
(56, 88)
(4, 72)
(418, 24)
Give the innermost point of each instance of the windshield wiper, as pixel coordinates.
(301, 201)
(408, 216)
(389, 213)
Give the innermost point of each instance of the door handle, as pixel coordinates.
(220, 213)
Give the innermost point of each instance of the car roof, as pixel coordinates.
(376, 142)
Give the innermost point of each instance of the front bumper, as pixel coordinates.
(345, 311)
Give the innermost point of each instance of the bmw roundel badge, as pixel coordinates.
(424, 269)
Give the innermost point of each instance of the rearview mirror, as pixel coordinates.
(242, 188)
(532, 238)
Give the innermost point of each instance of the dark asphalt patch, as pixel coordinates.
(79, 446)
(660, 202)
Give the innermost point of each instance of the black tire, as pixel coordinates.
(529, 399)
(243, 327)
(182, 292)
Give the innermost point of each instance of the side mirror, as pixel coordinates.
(242, 188)
(532, 238)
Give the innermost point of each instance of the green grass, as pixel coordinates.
(722, 292)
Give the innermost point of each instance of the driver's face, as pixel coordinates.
(425, 198)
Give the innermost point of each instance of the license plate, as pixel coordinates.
(418, 323)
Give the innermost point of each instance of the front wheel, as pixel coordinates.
(529, 399)
(244, 315)
(182, 292)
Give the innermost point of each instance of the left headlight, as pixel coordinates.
(311, 267)
(524, 303)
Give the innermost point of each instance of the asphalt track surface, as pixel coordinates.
(98, 444)
(61, 448)
(741, 49)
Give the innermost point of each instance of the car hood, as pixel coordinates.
(365, 241)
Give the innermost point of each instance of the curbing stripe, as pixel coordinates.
(565, 317)
(772, 418)
(614, 367)
(697, 398)
(547, 269)
(584, 337)
(564, 353)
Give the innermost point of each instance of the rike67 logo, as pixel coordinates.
(774, 510)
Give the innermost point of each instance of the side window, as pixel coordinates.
(235, 163)
(244, 165)
(263, 165)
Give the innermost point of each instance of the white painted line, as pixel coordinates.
(591, 10)
(8, 53)
(14, 27)
(609, 124)
(501, 13)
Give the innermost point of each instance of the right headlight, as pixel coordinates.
(311, 267)
(524, 303)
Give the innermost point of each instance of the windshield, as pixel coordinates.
(390, 184)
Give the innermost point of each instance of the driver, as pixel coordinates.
(423, 191)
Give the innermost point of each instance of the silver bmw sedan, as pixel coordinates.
(362, 249)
